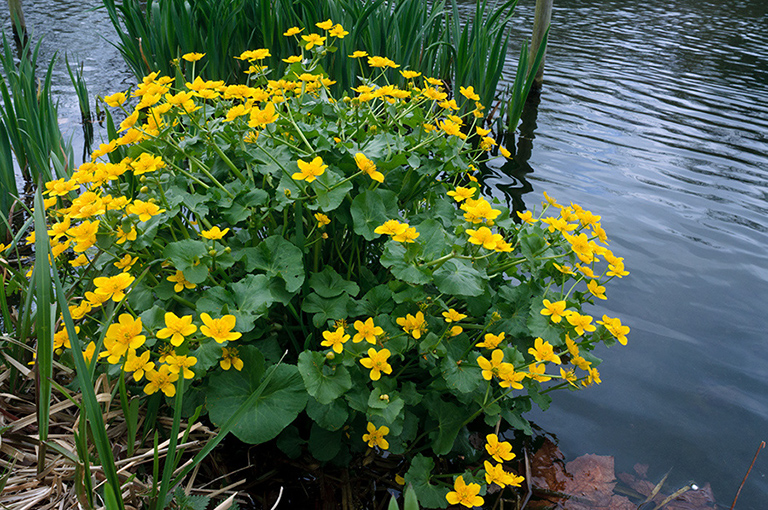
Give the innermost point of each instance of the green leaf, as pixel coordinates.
(541, 400)
(541, 326)
(208, 354)
(394, 258)
(324, 445)
(465, 377)
(290, 442)
(325, 309)
(376, 301)
(252, 294)
(418, 475)
(450, 418)
(514, 418)
(328, 283)
(433, 239)
(330, 199)
(279, 404)
(188, 256)
(456, 277)
(323, 382)
(331, 416)
(389, 410)
(371, 209)
(279, 259)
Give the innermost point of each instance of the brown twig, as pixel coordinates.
(760, 447)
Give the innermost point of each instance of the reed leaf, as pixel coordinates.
(44, 313)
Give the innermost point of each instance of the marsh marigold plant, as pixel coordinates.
(230, 231)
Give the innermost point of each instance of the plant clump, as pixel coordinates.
(338, 247)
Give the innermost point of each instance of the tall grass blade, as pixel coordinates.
(91, 405)
(45, 310)
(524, 83)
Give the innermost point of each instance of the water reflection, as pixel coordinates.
(655, 115)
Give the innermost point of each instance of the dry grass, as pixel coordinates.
(58, 482)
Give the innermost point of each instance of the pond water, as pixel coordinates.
(654, 114)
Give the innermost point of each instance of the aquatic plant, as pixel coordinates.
(320, 270)
(431, 37)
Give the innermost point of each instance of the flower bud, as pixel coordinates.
(212, 253)
(330, 355)
(144, 189)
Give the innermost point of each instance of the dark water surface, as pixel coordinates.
(654, 114)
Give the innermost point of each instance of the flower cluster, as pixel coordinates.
(263, 226)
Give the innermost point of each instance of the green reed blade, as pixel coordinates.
(43, 325)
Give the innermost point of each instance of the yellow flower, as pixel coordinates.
(484, 237)
(313, 40)
(596, 289)
(322, 220)
(310, 170)
(391, 227)
(464, 494)
(126, 262)
(161, 380)
(492, 367)
(491, 341)
(260, 118)
(581, 322)
(192, 57)
(113, 286)
(536, 372)
(338, 32)
(368, 167)
(616, 329)
(367, 331)
(526, 216)
(496, 474)
(409, 235)
(259, 54)
(453, 316)
(414, 326)
(139, 365)
(505, 152)
(335, 340)
(543, 351)
(123, 236)
(325, 25)
(555, 310)
(455, 331)
(214, 233)
(500, 450)
(375, 437)
(116, 99)
(409, 74)
(292, 31)
(121, 337)
(509, 378)
(381, 62)
(469, 93)
(292, 59)
(144, 210)
(219, 329)
(358, 54)
(230, 358)
(460, 194)
(177, 328)
(181, 282)
(377, 362)
(181, 364)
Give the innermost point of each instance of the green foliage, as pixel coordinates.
(29, 118)
(430, 37)
(323, 270)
